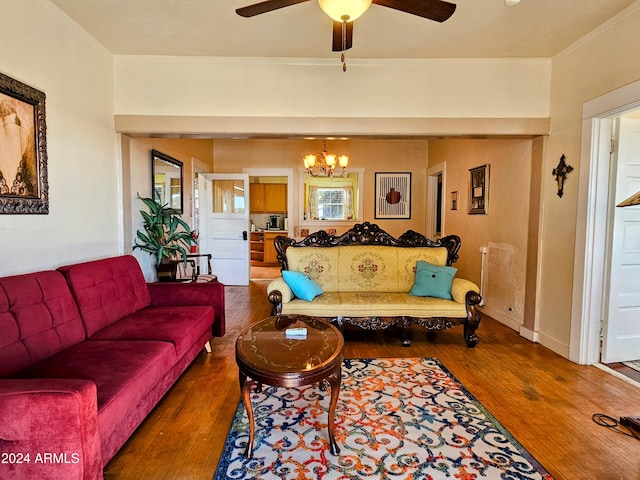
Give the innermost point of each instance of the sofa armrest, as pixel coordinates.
(209, 293)
(281, 286)
(55, 423)
(460, 287)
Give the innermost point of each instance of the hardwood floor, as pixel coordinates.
(258, 272)
(545, 401)
(624, 370)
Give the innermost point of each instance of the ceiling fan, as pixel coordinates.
(344, 12)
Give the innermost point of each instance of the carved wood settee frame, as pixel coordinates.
(371, 234)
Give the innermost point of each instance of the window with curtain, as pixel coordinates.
(330, 203)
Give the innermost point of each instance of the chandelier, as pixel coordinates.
(325, 163)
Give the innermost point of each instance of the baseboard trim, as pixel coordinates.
(529, 335)
(536, 337)
(501, 317)
(554, 345)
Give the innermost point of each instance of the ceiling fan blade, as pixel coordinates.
(264, 7)
(337, 37)
(437, 10)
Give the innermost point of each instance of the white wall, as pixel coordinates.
(41, 49)
(232, 87)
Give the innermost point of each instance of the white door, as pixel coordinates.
(621, 339)
(224, 210)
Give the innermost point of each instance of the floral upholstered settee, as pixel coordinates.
(366, 277)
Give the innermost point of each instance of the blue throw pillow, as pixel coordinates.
(433, 280)
(302, 286)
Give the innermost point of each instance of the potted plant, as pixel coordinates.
(166, 236)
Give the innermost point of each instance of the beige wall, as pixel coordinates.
(314, 88)
(504, 229)
(606, 60)
(139, 155)
(371, 155)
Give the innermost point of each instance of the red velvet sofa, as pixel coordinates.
(86, 352)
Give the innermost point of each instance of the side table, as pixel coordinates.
(265, 355)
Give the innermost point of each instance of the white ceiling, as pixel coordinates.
(478, 28)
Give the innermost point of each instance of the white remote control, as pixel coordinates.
(296, 332)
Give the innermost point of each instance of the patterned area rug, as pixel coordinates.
(395, 419)
(635, 364)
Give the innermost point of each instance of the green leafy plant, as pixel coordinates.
(165, 234)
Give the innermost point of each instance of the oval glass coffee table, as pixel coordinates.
(267, 354)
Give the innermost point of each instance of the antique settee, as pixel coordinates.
(86, 352)
(366, 277)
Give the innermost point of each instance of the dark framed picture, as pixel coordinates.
(479, 189)
(393, 195)
(23, 149)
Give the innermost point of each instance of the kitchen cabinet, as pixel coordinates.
(268, 197)
(270, 255)
(256, 247)
(263, 251)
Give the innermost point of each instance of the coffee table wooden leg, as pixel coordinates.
(335, 379)
(245, 388)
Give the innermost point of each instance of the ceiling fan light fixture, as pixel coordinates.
(344, 11)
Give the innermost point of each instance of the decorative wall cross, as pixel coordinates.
(560, 172)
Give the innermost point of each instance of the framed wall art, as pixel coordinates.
(23, 149)
(454, 200)
(393, 195)
(479, 189)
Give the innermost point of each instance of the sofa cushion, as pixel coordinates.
(320, 264)
(433, 280)
(301, 285)
(38, 318)
(124, 372)
(366, 304)
(366, 268)
(182, 326)
(409, 257)
(107, 290)
(348, 268)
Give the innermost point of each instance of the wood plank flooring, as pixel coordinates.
(624, 370)
(545, 401)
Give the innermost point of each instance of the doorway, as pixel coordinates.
(262, 262)
(593, 289)
(621, 316)
(436, 183)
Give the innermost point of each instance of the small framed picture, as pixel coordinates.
(454, 200)
(479, 189)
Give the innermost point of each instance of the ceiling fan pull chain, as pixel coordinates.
(344, 41)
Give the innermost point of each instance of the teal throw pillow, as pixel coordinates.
(302, 286)
(433, 280)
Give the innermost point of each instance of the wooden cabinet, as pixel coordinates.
(256, 246)
(263, 251)
(275, 198)
(270, 255)
(256, 197)
(268, 197)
